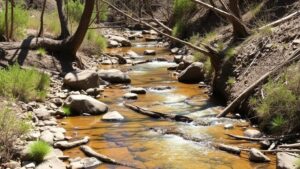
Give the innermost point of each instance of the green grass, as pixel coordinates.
(38, 150)
(41, 51)
(230, 52)
(23, 84)
(94, 42)
(230, 82)
(67, 110)
(12, 128)
(279, 109)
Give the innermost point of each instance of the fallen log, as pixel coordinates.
(276, 151)
(231, 107)
(158, 115)
(229, 149)
(249, 138)
(295, 145)
(282, 20)
(67, 145)
(92, 153)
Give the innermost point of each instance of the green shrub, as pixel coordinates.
(181, 7)
(74, 10)
(67, 110)
(208, 68)
(279, 109)
(11, 129)
(21, 18)
(41, 51)
(51, 23)
(230, 52)
(23, 84)
(178, 29)
(38, 150)
(230, 82)
(94, 42)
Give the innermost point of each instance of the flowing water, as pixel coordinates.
(131, 141)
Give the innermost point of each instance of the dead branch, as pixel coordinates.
(158, 115)
(280, 21)
(92, 153)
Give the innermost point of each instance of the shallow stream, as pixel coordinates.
(132, 142)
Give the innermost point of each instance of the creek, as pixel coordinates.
(131, 141)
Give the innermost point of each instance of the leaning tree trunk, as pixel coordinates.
(73, 44)
(234, 8)
(97, 12)
(63, 20)
(11, 18)
(41, 31)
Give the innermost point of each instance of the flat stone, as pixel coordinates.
(149, 52)
(86, 163)
(253, 133)
(53, 163)
(42, 113)
(114, 76)
(257, 156)
(138, 90)
(133, 55)
(82, 80)
(228, 126)
(192, 74)
(112, 44)
(130, 96)
(47, 137)
(112, 116)
(287, 160)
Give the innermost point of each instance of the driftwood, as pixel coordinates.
(295, 145)
(276, 151)
(92, 153)
(158, 115)
(67, 145)
(249, 138)
(231, 107)
(229, 149)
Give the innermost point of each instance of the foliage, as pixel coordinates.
(230, 52)
(230, 81)
(74, 10)
(178, 29)
(25, 85)
(11, 129)
(94, 42)
(208, 68)
(41, 51)
(21, 17)
(181, 7)
(279, 110)
(38, 150)
(103, 11)
(67, 110)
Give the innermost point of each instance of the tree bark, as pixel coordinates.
(240, 30)
(234, 8)
(75, 41)
(97, 12)
(6, 20)
(63, 20)
(11, 19)
(41, 31)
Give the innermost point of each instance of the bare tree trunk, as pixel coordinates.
(63, 20)
(234, 8)
(97, 12)
(240, 30)
(6, 20)
(41, 31)
(73, 44)
(11, 19)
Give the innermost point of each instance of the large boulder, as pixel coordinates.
(82, 80)
(85, 104)
(192, 74)
(114, 76)
(287, 160)
(125, 42)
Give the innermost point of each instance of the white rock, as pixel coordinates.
(112, 116)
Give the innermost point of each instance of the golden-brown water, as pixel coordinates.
(132, 142)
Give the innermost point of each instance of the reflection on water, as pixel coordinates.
(132, 142)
